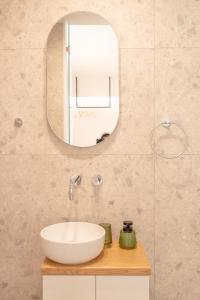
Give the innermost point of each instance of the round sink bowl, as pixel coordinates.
(72, 242)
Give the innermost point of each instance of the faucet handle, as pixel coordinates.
(75, 180)
(97, 180)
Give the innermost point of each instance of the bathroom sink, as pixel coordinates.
(72, 242)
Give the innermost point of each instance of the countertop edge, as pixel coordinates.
(96, 272)
(112, 261)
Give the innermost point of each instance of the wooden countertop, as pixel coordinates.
(112, 261)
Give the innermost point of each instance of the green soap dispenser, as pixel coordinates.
(127, 238)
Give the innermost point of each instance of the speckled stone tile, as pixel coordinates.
(23, 24)
(22, 75)
(20, 279)
(23, 84)
(137, 80)
(177, 23)
(34, 193)
(178, 93)
(34, 188)
(29, 26)
(136, 103)
(133, 21)
(21, 96)
(177, 258)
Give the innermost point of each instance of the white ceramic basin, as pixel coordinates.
(72, 242)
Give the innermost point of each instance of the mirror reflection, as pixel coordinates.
(82, 79)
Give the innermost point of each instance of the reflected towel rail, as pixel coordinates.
(109, 97)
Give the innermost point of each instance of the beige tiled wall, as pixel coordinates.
(159, 77)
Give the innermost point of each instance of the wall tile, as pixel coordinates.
(133, 21)
(20, 279)
(22, 75)
(177, 228)
(37, 203)
(23, 24)
(136, 118)
(137, 102)
(21, 80)
(178, 93)
(177, 23)
(34, 183)
(21, 96)
(32, 21)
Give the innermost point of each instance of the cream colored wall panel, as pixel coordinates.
(68, 287)
(23, 24)
(20, 278)
(177, 226)
(177, 95)
(35, 188)
(122, 287)
(137, 103)
(133, 21)
(22, 76)
(177, 23)
(18, 32)
(23, 86)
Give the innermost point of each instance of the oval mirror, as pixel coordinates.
(82, 79)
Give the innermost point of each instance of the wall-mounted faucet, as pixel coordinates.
(97, 180)
(75, 180)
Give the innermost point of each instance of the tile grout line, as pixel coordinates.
(71, 155)
(154, 157)
(120, 48)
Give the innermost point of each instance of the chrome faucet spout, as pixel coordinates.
(70, 192)
(74, 181)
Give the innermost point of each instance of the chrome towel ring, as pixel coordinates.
(167, 126)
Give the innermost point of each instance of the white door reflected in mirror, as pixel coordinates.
(82, 79)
